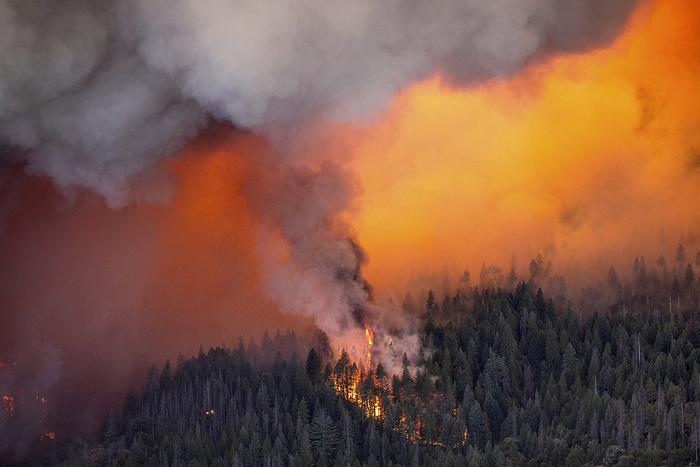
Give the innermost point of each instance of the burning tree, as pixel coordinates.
(412, 411)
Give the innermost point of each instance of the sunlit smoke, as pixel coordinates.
(589, 160)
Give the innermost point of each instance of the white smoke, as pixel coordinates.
(260, 61)
(83, 105)
(98, 91)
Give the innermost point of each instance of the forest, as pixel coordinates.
(506, 376)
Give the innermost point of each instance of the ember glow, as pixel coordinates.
(370, 344)
(358, 383)
(8, 402)
(369, 388)
(361, 386)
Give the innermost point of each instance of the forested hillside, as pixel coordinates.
(505, 377)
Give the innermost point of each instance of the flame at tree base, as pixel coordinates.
(370, 390)
(21, 409)
(359, 386)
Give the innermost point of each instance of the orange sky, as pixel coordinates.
(586, 155)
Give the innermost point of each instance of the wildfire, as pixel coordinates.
(360, 385)
(361, 389)
(8, 402)
(22, 408)
(370, 342)
(368, 388)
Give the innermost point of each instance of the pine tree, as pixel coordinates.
(431, 304)
(306, 457)
(689, 276)
(613, 280)
(313, 365)
(323, 434)
(680, 254)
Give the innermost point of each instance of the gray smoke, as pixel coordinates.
(317, 270)
(95, 93)
(319, 273)
(256, 62)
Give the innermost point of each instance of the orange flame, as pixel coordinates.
(359, 385)
(8, 402)
(370, 343)
(362, 387)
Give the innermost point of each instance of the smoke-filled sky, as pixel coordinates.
(178, 173)
(588, 157)
(97, 91)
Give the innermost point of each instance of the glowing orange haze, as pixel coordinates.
(587, 157)
(591, 159)
(583, 155)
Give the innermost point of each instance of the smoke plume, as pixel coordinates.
(97, 92)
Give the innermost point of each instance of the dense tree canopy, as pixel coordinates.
(505, 377)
